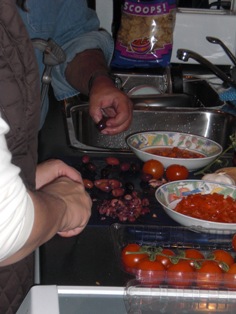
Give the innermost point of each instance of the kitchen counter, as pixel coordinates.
(87, 260)
(52, 137)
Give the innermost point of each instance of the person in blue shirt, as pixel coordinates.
(75, 28)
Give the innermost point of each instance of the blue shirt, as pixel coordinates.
(73, 26)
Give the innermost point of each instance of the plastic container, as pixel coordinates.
(167, 292)
(178, 240)
(143, 299)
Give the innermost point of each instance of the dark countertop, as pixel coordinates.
(89, 258)
(86, 260)
(53, 137)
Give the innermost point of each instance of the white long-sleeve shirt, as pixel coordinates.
(16, 206)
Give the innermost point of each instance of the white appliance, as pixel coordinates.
(191, 28)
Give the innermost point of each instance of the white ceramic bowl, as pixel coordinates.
(140, 141)
(169, 194)
(143, 90)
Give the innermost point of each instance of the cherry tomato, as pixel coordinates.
(222, 256)
(164, 259)
(194, 255)
(153, 167)
(130, 261)
(230, 277)
(234, 242)
(147, 264)
(180, 274)
(150, 271)
(176, 172)
(209, 275)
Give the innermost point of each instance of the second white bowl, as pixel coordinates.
(141, 141)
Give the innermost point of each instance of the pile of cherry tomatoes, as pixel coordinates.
(172, 173)
(183, 268)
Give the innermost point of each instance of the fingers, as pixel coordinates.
(118, 107)
(52, 169)
(69, 172)
(77, 203)
(116, 130)
(119, 123)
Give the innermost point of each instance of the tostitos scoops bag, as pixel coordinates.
(145, 36)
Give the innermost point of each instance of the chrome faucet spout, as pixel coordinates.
(185, 55)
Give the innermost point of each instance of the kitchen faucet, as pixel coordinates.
(185, 54)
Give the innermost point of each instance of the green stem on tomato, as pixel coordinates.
(152, 252)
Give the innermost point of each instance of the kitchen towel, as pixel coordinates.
(229, 96)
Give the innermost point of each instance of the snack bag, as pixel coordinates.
(145, 36)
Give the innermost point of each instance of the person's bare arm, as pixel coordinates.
(63, 207)
(85, 65)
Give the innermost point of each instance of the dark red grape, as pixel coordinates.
(101, 125)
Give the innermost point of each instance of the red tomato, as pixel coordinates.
(176, 172)
(222, 256)
(180, 274)
(194, 255)
(130, 261)
(147, 264)
(164, 259)
(153, 167)
(213, 207)
(150, 271)
(234, 242)
(229, 278)
(209, 276)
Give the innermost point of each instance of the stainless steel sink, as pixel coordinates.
(195, 109)
(149, 115)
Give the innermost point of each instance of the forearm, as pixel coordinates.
(49, 212)
(62, 206)
(86, 64)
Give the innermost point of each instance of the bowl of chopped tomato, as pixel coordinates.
(202, 205)
(192, 151)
